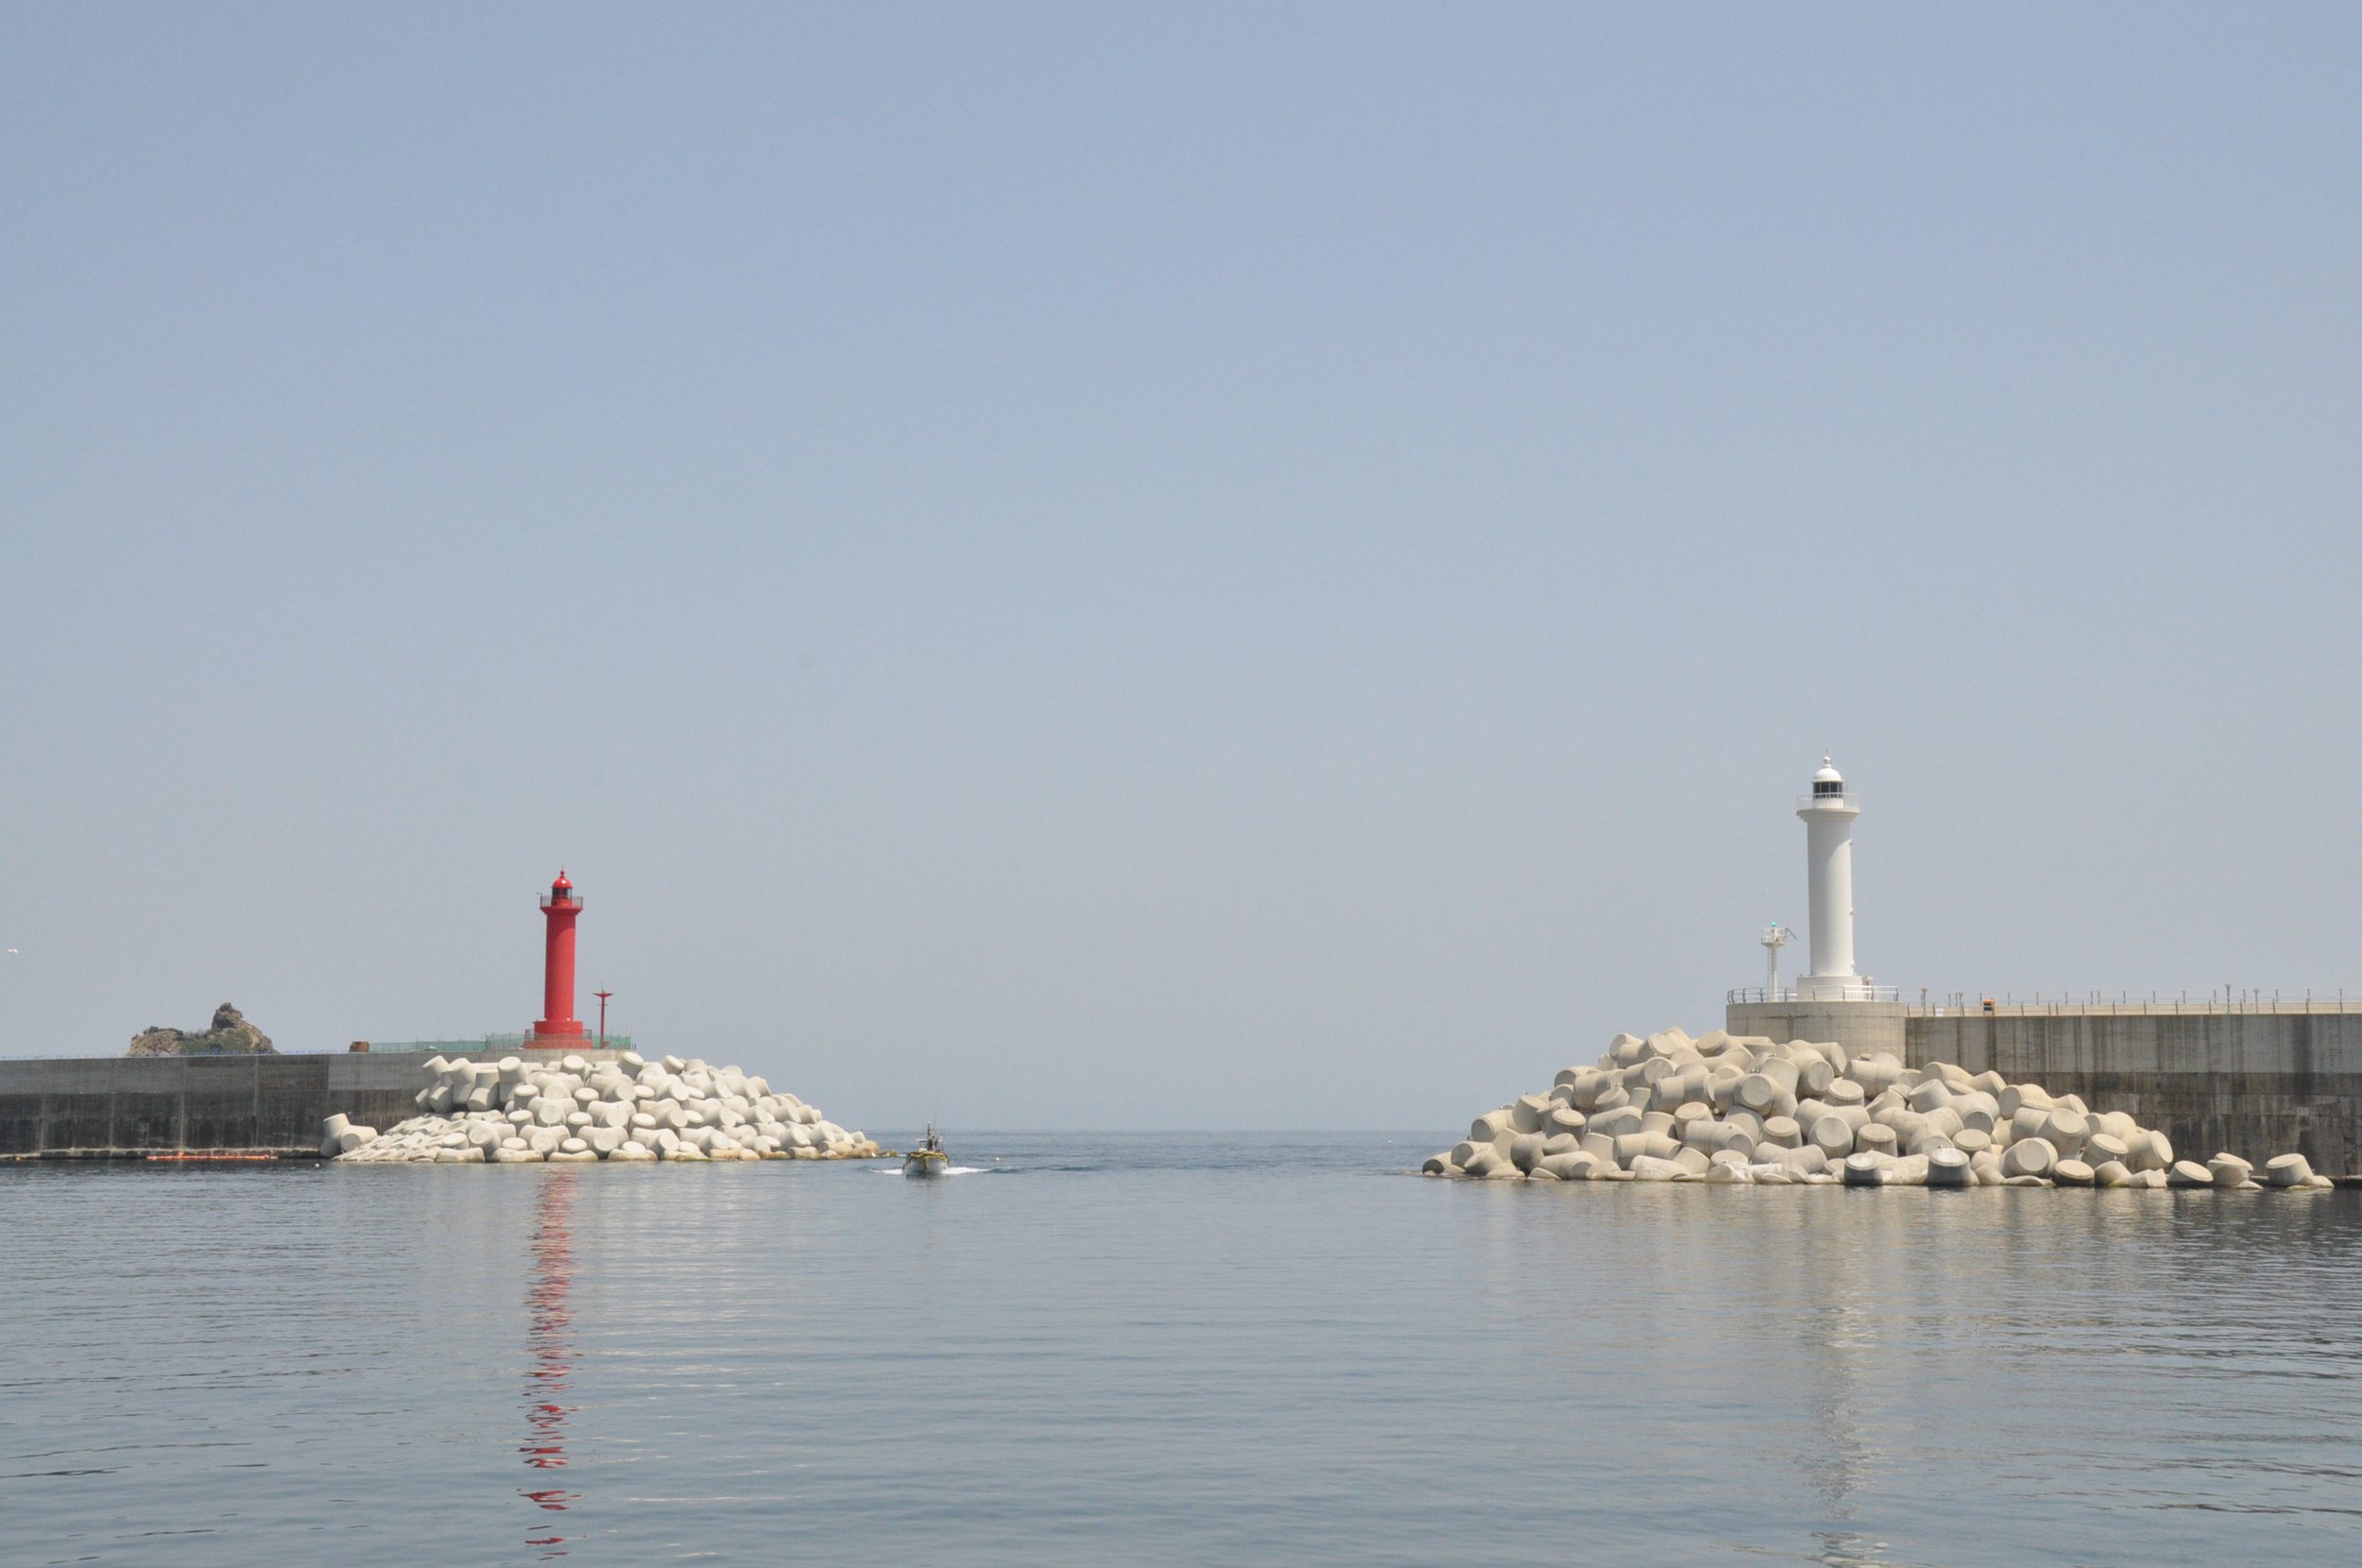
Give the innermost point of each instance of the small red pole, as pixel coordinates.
(603, 996)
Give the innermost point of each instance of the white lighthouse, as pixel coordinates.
(1829, 814)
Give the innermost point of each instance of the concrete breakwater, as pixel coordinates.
(1728, 1109)
(2210, 1077)
(513, 1111)
(126, 1107)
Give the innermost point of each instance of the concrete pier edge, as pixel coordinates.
(129, 1107)
(2255, 1083)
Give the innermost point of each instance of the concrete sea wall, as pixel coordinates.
(2251, 1083)
(123, 1106)
(2265, 1081)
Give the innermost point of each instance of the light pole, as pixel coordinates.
(603, 996)
(1775, 936)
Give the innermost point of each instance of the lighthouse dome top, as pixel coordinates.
(561, 894)
(1829, 793)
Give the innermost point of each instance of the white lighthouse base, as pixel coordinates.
(1859, 1026)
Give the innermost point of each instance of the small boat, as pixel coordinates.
(927, 1159)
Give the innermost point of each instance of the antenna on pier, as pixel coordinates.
(1775, 936)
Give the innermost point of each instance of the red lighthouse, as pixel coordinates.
(559, 1025)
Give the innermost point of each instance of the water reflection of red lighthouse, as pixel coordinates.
(549, 1346)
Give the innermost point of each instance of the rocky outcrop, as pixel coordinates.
(231, 1035)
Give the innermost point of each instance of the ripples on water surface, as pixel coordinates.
(1163, 1350)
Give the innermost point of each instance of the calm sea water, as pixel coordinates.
(1163, 1350)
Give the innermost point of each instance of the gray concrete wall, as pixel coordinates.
(2256, 1083)
(123, 1106)
(1860, 1026)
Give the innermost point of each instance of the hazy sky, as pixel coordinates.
(1154, 566)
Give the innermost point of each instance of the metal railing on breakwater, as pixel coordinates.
(498, 1045)
(1789, 994)
(2226, 1000)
